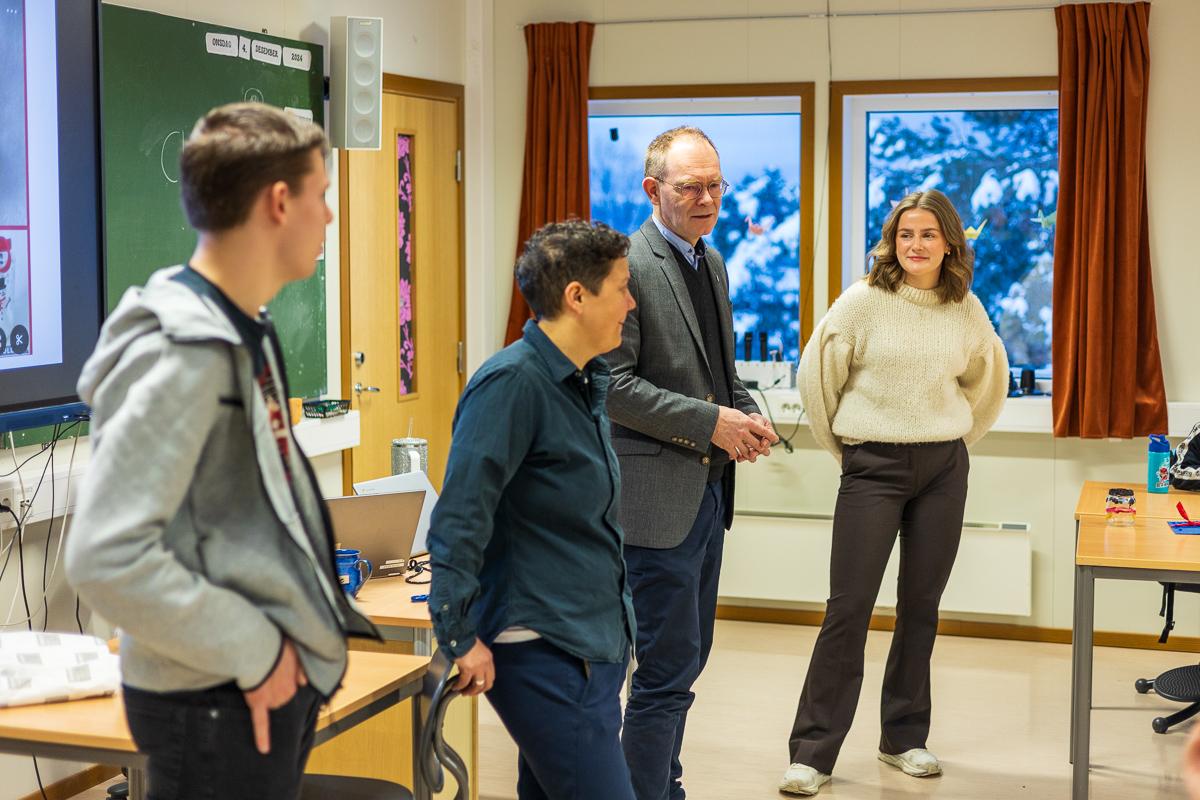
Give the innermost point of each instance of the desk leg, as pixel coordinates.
(422, 646)
(137, 784)
(1081, 691)
(1074, 657)
(420, 706)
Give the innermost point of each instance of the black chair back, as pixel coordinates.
(436, 757)
(1167, 609)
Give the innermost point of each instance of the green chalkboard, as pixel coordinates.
(160, 74)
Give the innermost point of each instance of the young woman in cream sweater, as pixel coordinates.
(899, 377)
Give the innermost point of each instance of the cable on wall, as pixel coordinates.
(18, 538)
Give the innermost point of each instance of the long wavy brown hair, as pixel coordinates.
(958, 267)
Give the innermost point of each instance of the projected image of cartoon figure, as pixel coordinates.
(6, 275)
(14, 294)
(7, 289)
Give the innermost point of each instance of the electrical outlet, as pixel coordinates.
(23, 504)
(8, 497)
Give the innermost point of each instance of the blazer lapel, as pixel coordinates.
(670, 268)
(723, 301)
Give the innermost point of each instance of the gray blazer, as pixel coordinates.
(661, 400)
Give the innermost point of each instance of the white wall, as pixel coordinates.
(422, 38)
(1172, 169)
(1021, 477)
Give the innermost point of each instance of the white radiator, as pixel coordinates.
(784, 557)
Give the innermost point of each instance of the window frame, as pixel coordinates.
(806, 91)
(840, 165)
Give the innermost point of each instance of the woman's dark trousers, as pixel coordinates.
(918, 490)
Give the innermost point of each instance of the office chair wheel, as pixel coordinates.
(1182, 685)
(118, 791)
(1143, 685)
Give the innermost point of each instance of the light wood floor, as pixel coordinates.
(1000, 723)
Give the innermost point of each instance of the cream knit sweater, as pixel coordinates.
(902, 367)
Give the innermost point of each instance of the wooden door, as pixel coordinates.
(402, 277)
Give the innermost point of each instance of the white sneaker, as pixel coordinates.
(918, 762)
(802, 779)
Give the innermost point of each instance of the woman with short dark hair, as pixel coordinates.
(529, 594)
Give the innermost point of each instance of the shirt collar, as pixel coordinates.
(693, 255)
(556, 361)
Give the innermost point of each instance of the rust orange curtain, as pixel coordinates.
(555, 183)
(1107, 371)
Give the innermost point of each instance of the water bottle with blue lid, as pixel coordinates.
(1158, 464)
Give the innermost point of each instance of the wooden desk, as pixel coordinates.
(1148, 505)
(1146, 551)
(96, 731)
(388, 603)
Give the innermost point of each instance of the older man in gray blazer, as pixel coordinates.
(681, 420)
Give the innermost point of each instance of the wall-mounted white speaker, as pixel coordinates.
(356, 82)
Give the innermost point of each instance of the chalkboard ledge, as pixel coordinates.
(317, 437)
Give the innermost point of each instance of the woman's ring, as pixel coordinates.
(478, 681)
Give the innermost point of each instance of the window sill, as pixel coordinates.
(1020, 414)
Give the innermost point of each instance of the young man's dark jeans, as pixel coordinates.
(675, 599)
(564, 713)
(201, 744)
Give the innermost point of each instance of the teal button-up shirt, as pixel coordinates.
(525, 533)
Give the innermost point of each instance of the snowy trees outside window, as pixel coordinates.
(758, 229)
(1000, 169)
(992, 147)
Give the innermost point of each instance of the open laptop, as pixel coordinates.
(382, 526)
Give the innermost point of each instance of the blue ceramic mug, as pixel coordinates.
(352, 569)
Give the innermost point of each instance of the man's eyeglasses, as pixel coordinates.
(693, 190)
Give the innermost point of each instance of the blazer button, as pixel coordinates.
(708, 398)
(705, 461)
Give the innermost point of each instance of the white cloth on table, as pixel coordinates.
(37, 667)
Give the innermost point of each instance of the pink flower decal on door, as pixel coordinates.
(404, 234)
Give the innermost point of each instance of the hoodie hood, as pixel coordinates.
(163, 305)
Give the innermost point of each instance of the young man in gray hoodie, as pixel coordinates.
(200, 530)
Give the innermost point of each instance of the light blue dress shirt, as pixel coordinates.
(693, 255)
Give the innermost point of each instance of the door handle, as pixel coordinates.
(359, 388)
